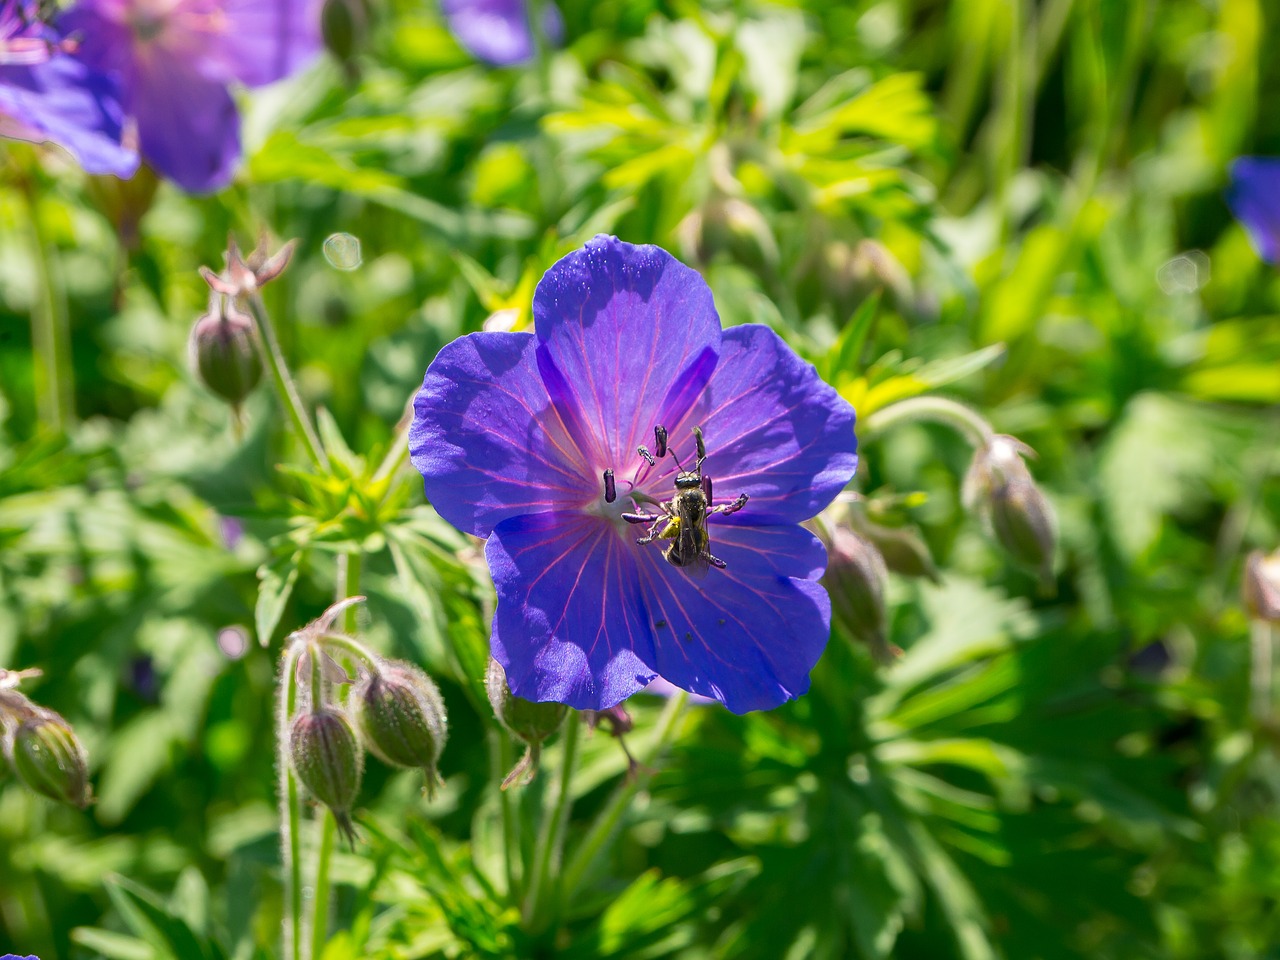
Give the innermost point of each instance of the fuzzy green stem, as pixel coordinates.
(348, 585)
(551, 837)
(937, 409)
(606, 823)
(503, 758)
(287, 391)
(290, 809)
(326, 828)
(1261, 666)
(50, 330)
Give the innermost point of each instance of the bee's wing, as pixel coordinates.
(694, 541)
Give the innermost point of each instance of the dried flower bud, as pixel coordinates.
(400, 715)
(223, 351)
(999, 486)
(328, 761)
(855, 578)
(528, 721)
(46, 756)
(245, 276)
(1260, 589)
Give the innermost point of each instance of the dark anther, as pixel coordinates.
(706, 487)
(610, 489)
(660, 441)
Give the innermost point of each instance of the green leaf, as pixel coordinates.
(276, 582)
(150, 919)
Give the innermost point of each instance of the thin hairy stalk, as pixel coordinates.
(605, 825)
(287, 391)
(50, 330)
(935, 409)
(503, 757)
(551, 836)
(348, 585)
(290, 809)
(1261, 667)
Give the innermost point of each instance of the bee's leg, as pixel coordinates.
(727, 508)
(655, 531)
(714, 561)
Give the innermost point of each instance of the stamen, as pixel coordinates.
(648, 457)
(660, 440)
(610, 489)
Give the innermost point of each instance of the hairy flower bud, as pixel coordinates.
(1260, 588)
(223, 352)
(400, 715)
(1000, 487)
(903, 550)
(855, 578)
(46, 756)
(328, 760)
(527, 720)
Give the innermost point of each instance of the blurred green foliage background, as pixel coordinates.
(894, 186)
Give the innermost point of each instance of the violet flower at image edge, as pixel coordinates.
(513, 432)
(175, 66)
(1254, 197)
(48, 96)
(500, 32)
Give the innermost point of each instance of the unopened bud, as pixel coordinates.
(1022, 522)
(223, 351)
(46, 756)
(1000, 487)
(855, 578)
(400, 715)
(328, 761)
(529, 721)
(343, 24)
(903, 550)
(1260, 589)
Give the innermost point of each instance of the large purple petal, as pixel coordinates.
(267, 40)
(747, 635)
(570, 624)
(64, 101)
(628, 337)
(188, 126)
(1254, 197)
(774, 430)
(485, 438)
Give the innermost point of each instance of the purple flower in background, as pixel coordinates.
(499, 31)
(174, 60)
(514, 434)
(47, 95)
(1254, 197)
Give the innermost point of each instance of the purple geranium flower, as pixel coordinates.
(514, 433)
(499, 31)
(175, 59)
(45, 94)
(1254, 197)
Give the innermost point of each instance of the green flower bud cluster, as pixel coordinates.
(42, 750)
(394, 711)
(528, 721)
(1000, 488)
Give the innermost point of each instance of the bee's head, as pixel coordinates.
(687, 480)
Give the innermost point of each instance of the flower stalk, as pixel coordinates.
(551, 836)
(933, 409)
(286, 389)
